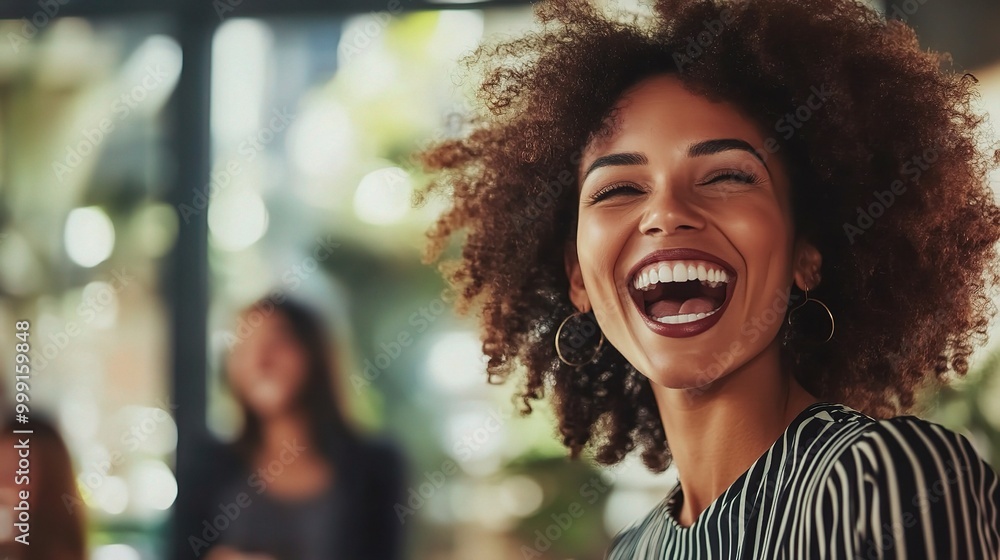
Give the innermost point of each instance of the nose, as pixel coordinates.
(263, 356)
(252, 355)
(669, 211)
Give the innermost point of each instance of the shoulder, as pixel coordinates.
(374, 461)
(907, 450)
(217, 464)
(900, 446)
(376, 452)
(915, 485)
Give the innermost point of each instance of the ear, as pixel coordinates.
(806, 264)
(577, 291)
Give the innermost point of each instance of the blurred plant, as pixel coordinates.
(972, 406)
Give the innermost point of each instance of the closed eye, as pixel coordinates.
(612, 190)
(739, 176)
(626, 188)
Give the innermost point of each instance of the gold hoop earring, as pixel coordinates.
(833, 323)
(559, 350)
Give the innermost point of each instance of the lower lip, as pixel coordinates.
(684, 330)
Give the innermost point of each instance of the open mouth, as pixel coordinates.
(681, 297)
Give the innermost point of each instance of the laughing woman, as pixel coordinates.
(738, 237)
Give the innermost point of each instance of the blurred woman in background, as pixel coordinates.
(299, 483)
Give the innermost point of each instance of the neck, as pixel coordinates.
(717, 431)
(284, 430)
(288, 447)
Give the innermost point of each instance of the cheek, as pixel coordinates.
(291, 366)
(600, 240)
(237, 372)
(760, 224)
(762, 235)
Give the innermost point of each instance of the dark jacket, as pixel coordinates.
(371, 475)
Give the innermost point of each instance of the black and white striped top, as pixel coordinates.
(839, 484)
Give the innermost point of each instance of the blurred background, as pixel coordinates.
(163, 158)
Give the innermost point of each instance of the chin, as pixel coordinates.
(682, 380)
(688, 370)
(268, 409)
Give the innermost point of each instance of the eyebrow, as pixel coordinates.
(703, 148)
(624, 158)
(709, 147)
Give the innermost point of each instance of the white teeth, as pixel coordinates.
(684, 318)
(666, 275)
(660, 273)
(680, 273)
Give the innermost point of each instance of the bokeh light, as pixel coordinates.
(89, 237)
(383, 196)
(237, 220)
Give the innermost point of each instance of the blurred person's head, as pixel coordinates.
(56, 514)
(283, 366)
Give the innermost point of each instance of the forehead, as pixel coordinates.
(661, 109)
(264, 323)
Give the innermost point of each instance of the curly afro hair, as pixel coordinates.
(889, 183)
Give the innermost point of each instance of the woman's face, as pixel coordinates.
(268, 368)
(684, 245)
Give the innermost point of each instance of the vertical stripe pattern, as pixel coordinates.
(839, 484)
